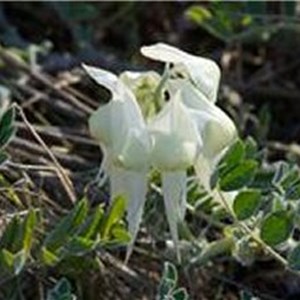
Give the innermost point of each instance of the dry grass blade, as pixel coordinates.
(65, 180)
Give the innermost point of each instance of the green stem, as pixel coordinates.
(253, 235)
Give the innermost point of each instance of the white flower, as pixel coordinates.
(176, 146)
(197, 79)
(190, 130)
(120, 129)
(203, 72)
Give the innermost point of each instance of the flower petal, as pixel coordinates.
(174, 192)
(104, 78)
(204, 73)
(119, 125)
(136, 150)
(204, 169)
(217, 129)
(133, 185)
(176, 142)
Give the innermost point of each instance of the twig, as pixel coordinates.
(12, 60)
(65, 180)
(292, 148)
(57, 104)
(41, 193)
(61, 133)
(74, 160)
(30, 167)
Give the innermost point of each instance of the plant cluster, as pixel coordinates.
(167, 125)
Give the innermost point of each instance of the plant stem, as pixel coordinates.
(254, 236)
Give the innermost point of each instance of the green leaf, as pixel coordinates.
(232, 158)
(246, 203)
(92, 225)
(294, 258)
(79, 246)
(48, 257)
(263, 180)
(6, 135)
(291, 176)
(198, 14)
(293, 192)
(276, 228)
(170, 272)
(291, 183)
(66, 227)
(239, 176)
(19, 261)
(234, 155)
(120, 233)
(180, 294)
(168, 281)
(281, 168)
(9, 235)
(7, 128)
(10, 192)
(61, 291)
(8, 118)
(3, 157)
(250, 148)
(30, 222)
(6, 259)
(114, 215)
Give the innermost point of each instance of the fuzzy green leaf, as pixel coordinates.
(234, 155)
(67, 226)
(246, 203)
(239, 176)
(180, 294)
(276, 228)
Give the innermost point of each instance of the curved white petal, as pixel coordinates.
(120, 92)
(174, 193)
(133, 185)
(217, 133)
(119, 125)
(204, 169)
(204, 72)
(216, 128)
(176, 142)
(104, 78)
(111, 122)
(134, 154)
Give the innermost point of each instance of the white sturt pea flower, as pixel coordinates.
(176, 146)
(198, 79)
(122, 134)
(190, 130)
